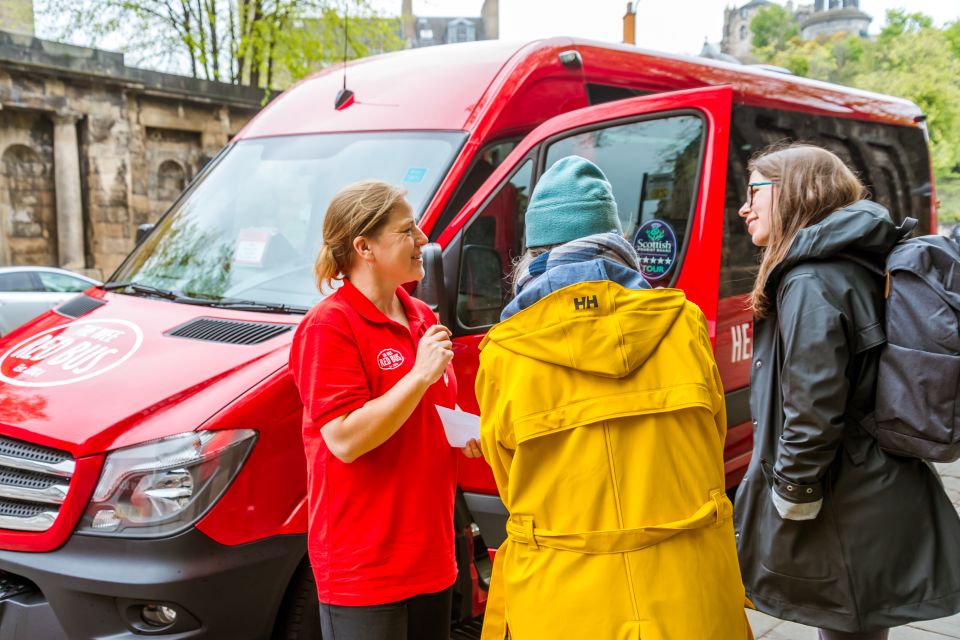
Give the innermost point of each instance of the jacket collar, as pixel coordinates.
(371, 313)
(570, 273)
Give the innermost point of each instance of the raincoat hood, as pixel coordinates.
(864, 229)
(598, 317)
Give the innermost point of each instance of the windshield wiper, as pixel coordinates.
(219, 303)
(143, 289)
(253, 305)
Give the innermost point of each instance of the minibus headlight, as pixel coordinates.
(161, 487)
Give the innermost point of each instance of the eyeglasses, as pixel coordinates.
(752, 189)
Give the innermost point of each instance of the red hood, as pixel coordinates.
(125, 382)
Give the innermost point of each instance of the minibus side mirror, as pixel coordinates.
(431, 289)
(143, 230)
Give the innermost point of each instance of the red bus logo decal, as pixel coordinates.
(70, 353)
(389, 359)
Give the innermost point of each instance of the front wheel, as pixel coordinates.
(299, 615)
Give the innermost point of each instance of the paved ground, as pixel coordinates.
(769, 628)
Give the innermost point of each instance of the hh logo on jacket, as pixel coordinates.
(585, 302)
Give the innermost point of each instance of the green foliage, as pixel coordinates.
(773, 28)
(952, 33)
(910, 58)
(316, 41)
(919, 66)
(899, 22)
(264, 43)
(948, 193)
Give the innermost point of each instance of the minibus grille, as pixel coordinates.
(34, 482)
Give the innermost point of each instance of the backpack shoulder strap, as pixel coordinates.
(871, 263)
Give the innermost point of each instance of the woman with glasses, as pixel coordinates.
(832, 531)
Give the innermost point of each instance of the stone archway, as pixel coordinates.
(28, 214)
(171, 179)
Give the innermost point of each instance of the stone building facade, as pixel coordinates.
(834, 16)
(418, 31)
(737, 38)
(821, 18)
(90, 148)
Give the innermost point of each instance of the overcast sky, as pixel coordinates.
(677, 26)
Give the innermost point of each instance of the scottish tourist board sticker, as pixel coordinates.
(656, 245)
(70, 353)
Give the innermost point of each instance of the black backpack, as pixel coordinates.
(918, 383)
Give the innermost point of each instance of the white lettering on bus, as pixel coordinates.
(43, 347)
(742, 346)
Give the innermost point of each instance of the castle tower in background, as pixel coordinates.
(822, 18)
(835, 16)
(17, 16)
(737, 38)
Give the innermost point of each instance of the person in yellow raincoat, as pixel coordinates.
(602, 417)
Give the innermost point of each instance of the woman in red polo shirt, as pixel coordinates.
(370, 363)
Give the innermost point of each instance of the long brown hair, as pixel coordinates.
(810, 184)
(359, 209)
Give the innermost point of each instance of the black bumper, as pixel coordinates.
(96, 587)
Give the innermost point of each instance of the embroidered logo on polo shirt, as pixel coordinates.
(389, 359)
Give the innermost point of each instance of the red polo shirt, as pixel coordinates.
(381, 527)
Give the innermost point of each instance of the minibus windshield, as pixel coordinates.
(249, 229)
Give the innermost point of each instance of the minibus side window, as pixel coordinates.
(601, 93)
(490, 244)
(739, 257)
(892, 161)
(654, 168)
(890, 190)
(488, 159)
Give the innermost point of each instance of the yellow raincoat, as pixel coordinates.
(603, 421)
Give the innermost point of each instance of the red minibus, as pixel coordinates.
(152, 478)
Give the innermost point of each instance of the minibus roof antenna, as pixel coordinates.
(344, 97)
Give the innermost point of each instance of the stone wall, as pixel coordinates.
(850, 21)
(26, 170)
(737, 38)
(90, 148)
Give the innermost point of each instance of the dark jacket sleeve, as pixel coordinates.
(815, 388)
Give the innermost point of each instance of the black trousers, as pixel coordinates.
(422, 617)
(826, 634)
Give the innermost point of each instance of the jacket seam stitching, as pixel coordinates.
(683, 405)
(616, 496)
(843, 556)
(611, 416)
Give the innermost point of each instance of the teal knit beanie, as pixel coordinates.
(572, 200)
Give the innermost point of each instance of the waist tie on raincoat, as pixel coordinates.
(521, 530)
